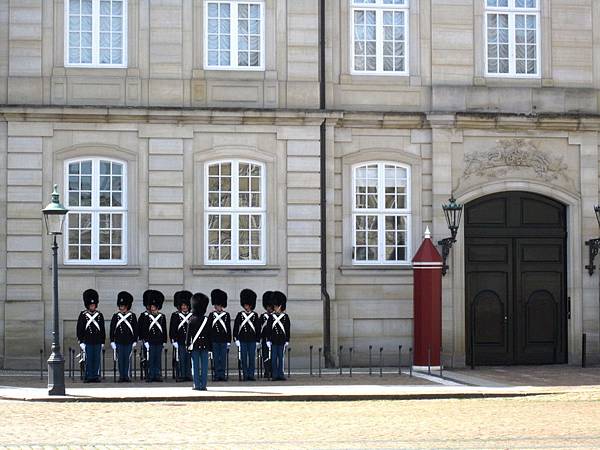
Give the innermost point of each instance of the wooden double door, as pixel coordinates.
(515, 280)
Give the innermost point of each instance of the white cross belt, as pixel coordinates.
(123, 318)
(92, 320)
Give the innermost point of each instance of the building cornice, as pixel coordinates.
(296, 117)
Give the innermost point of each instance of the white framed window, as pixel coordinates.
(512, 30)
(235, 212)
(96, 33)
(379, 37)
(234, 36)
(96, 225)
(381, 213)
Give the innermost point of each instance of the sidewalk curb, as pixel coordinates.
(282, 397)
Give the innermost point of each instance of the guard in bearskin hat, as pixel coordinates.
(180, 320)
(91, 335)
(123, 334)
(142, 328)
(246, 333)
(265, 352)
(198, 342)
(220, 332)
(155, 335)
(278, 334)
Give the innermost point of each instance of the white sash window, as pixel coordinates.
(381, 213)
(234, 36)
(96, 33)
(235, 212)
(512, 38)
(379, 36)
(95, 193)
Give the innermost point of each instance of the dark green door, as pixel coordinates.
(515, 279)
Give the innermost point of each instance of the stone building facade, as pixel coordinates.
(188, 139)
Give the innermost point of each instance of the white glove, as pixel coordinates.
(228, 345)
(102, 347)
(286, 345)
(269, 344)
(237, 342)
(176, 345)
(82, 346)
(147, 345)
(113, 345)
(134, 345)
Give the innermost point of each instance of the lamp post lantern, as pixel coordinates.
(453, 213)
(54, 217)
(594, 245)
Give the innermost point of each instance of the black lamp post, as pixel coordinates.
(453, 213)
(54, 216)
(594, 245)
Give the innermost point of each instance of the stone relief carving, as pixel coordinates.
(511, 154)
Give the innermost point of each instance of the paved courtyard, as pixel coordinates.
(567, 420)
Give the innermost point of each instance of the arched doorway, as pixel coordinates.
(515, 279)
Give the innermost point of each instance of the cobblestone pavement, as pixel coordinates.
(568, 420)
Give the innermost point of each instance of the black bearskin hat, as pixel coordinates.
(218, 297)
(124, 298)
(90, 297)
(160, 299)
(267, 299)
(176, 299)
(185, 297)
(248, 297)
(199, 304)
(146, 297)
(279, 299)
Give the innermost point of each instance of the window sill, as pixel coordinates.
(401, 80)
(223, 271)
(379, 269)
(113, 271)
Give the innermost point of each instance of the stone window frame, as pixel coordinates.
(96, 210)
(110, 152)
(380, 8)
(384, 154)
(96, 38)
(233, 42)
(544, 78)
(272, 180)
(511, 10)
(381, 213)
(236, 210)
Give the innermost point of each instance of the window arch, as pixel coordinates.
(381, 213)
(235, 212)
(96, 196)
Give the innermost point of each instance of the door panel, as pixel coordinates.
(540, 301)
(489, 287)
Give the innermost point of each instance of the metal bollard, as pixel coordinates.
(104, 364)
(583, 349)
(166, 368)
(351, 349)
(410, 360)
(380, 361)
(429, 360)
(69, 363)
(340, 358)
(399, 360)
(135, 363)
(289, 353)
(370, 361)
(227, 365)
(310, 349)
(320, 350)
(441, 365)
(41, 364)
